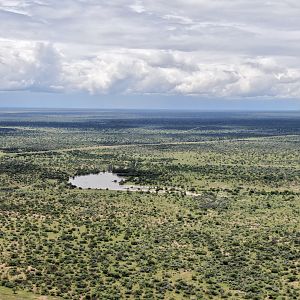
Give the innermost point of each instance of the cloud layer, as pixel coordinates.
(215, 48)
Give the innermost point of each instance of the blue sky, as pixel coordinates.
(202, 54)
(84, 100)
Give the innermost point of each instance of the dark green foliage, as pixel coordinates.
(222, 220)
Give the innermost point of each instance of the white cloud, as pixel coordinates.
(33, 66)
(137, 7)
(216, 48)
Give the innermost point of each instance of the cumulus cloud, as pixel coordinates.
(213, 48)
(29, 66)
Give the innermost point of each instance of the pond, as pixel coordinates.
(104, 180)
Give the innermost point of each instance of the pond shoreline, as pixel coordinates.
(105, 181)
(114, 182)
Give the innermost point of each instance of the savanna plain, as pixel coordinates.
(220, 218)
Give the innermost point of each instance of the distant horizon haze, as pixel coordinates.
(82, 101)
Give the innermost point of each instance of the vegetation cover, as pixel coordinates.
(222, 220)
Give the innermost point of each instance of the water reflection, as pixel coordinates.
(104, 180)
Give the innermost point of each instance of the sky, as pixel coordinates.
(186, 54)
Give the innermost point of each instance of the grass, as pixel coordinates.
(8, 294)
(237, 240)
